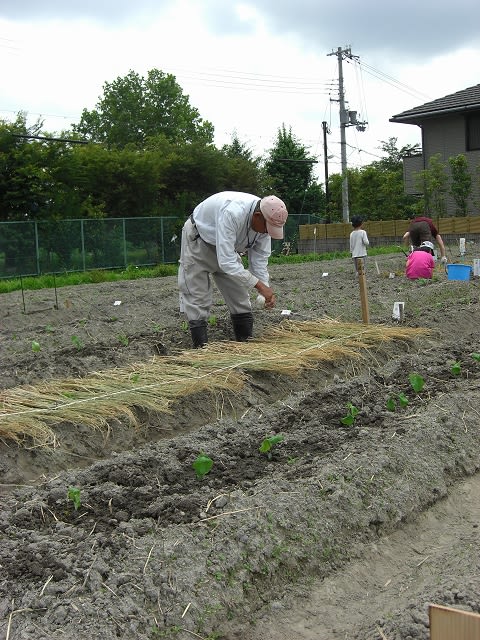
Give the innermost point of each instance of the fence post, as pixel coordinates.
(37, 249)
(124, 244)
(82, 235)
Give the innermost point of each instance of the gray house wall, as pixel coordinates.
(445, 136)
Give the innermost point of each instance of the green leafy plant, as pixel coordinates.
(36, 346)
(392, 401)
(212, 321)
(202, 465)
(403, 400)
(391, 404)
(184, 325)
(352, 413)
(476, 356)
(269, 443)
(77, 343)
(73, 494)
(416, 381)
(456, 368)
(123, 339)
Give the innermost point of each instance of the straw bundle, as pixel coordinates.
(30, 412)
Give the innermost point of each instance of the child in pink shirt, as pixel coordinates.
(420, 264)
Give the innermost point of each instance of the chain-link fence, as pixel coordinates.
(40, 247)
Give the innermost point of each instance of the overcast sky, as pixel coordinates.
(248, 67)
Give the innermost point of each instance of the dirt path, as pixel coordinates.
(389, 577)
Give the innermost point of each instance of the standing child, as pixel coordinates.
(358, 242)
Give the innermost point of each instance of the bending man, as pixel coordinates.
(221, 228)
(421, 230)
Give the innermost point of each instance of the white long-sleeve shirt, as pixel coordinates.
(358, 243)
(224, 220)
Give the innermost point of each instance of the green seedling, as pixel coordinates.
(36, 346)
(391, 404)
(77, 343)
(123, 339)
(135, 377)
(202, 465)
(49, 328)
(73, 494)
(212, 321)
(416, 381)
(403, 400)
(269, 443)
(184, 325)
(352, 413)
(476, 356)
(456, 368)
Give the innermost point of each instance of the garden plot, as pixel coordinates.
(112, 529)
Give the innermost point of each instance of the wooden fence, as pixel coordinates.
(335, 237)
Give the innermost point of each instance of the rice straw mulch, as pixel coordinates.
(28, 413)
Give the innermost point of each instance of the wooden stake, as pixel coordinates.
(363, 290)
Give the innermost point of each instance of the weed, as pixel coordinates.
(352, 413)
(184, 325)
(73, 494)
(202, 465)
(123, 339)
(135, 377)
(476, 356)
(49, 328)
(77, 343)
(212, 321)
(36, 346)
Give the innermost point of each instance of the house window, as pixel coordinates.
(473, 132)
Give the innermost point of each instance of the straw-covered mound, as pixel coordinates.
(29, 413)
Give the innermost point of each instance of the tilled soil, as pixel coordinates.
(344, 531)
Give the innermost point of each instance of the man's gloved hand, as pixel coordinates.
(443, 260)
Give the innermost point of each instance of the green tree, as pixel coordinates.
(461, 183)
(289, 169)
(134, 109)
(243, 171)
(433, 182)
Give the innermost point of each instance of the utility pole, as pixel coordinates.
(347, 119)
(325, 160)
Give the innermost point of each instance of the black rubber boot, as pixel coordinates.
(198, 330)
(242, 326)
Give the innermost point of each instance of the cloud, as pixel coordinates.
(102, 11)
(409, 28)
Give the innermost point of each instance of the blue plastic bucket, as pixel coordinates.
(459, 271)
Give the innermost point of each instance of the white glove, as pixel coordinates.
(443, 260)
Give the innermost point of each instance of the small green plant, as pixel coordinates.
(416, 381)
(77, 343)
(135, 377)
(476, 356)
(36, 346)
(184, 325)
(123, 339)
(352, 413)
(392, 402)
(73, 494)
(49, 328)
(456, 368)
(403, 400)
(202, 465)
(269, 443)
(212, 321)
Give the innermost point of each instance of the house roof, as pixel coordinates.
(465, 100)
